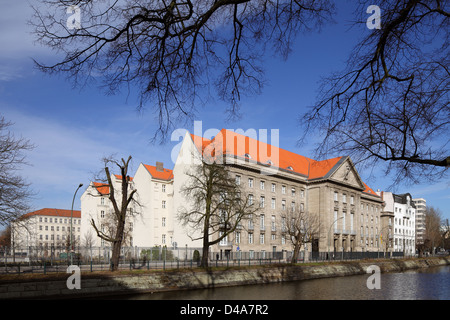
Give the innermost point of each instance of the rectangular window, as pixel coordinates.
(238, 180)
(250, 199)
(250, 238)
(262, 202)
(283, 189)
(250, 182)
(262, 184)
(163, 187)
(238, 237)
(274, 205)
(273, 187)
(261, 238)
(335, 196)
(163, 204)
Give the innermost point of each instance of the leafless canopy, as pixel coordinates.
(215, 204)
(391, 103)
(114, 228)
(15, 191)
(172, 51)
(299, 227)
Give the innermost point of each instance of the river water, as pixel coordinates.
(423, 284)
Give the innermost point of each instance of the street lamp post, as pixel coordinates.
(71, 218)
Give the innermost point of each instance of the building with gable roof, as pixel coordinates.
(401, 227)
(349, 211)
(148, 219)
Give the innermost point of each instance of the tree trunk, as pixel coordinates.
(117, 245)
(296, 252)
(205, 255)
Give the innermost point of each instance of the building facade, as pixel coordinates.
(46, 232)
(148, 222)
(402, 220)
(421, 212)
(348, 211)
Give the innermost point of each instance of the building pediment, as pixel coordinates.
(344, 172)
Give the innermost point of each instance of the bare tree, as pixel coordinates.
(390, 104)
(299, 227)
(216, 205)
(173, 51)
(433, 234)
(15, 192)
(121, 201)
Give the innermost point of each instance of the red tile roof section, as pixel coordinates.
(120, 177)
(166, 174)
(102, 188)
(370, 191)
(231, 143)
(54, 213)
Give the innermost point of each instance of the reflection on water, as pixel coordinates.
(424, 284)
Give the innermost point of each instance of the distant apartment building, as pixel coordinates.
(421, 210)
(46, 232)
(401, 212)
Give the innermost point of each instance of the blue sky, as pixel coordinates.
(74, 128)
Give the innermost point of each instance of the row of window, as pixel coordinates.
(52, 228)
(58, 237)
(273, 203)
(55, 220)
(404, 222)
(273, 188)
(372, 208)
(250, 239)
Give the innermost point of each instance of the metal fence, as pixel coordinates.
(47, 260)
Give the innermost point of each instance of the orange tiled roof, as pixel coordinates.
(102, 188)
(370, 191)
(54, 213)
(231, 143)
(166, 174)
(120, 177)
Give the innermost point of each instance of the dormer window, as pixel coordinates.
(290, 168)
(248, 156)
(269, 162)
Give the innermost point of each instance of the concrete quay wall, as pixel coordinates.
(107, 284)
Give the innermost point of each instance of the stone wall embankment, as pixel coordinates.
(107, 284)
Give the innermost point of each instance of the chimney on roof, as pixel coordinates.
(159, 166)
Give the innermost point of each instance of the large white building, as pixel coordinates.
(402, 219)
(149, 219)
(46, 232)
